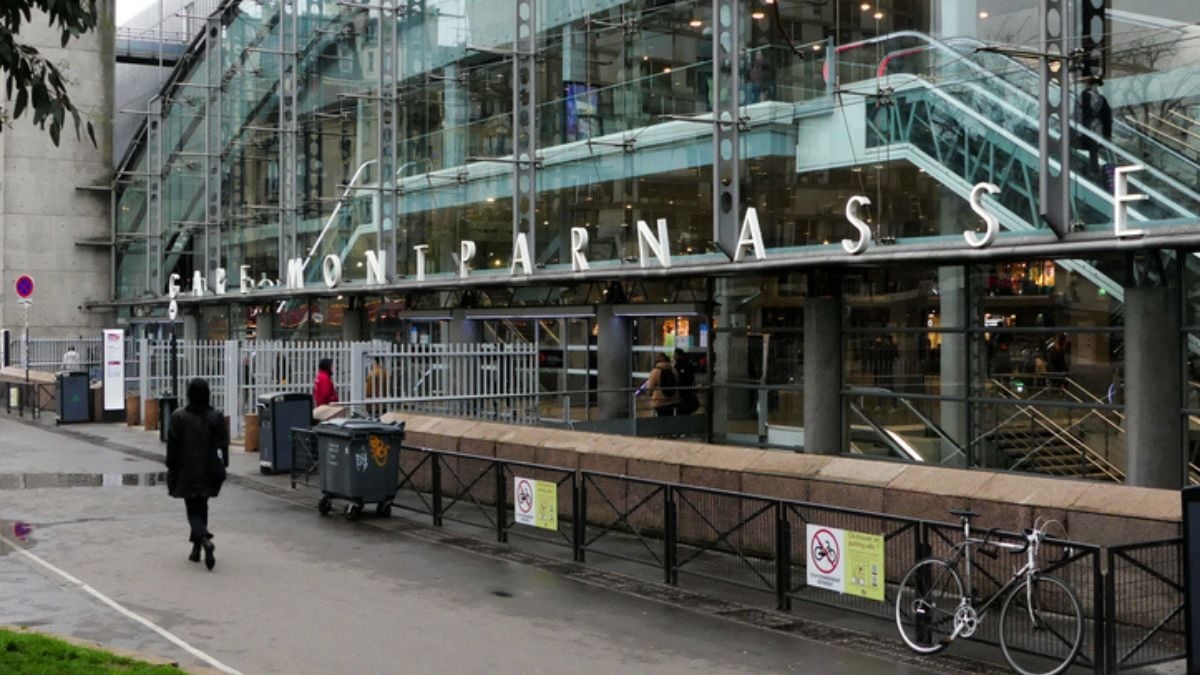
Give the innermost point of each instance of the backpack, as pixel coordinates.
(667, 381)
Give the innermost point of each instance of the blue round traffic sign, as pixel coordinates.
(24, 286)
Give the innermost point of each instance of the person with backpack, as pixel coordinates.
(662, 386)
(686, 372)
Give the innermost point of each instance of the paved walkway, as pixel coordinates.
(296, 593)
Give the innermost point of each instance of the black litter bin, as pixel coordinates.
(359, 463)
(166, 406)
(74, 397)
(278, 414)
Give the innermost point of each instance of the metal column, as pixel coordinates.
(288, 191)
(212, 150)
(1054, 104)
(525, 125)
(389, 19)
(154, 190)
(726, 150)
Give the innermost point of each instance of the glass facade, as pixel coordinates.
(325, 131)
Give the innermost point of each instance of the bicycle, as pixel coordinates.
(1041, 620)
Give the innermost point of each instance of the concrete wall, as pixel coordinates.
(43, 213)
(1097, 513)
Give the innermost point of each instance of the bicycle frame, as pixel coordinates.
(962, 551)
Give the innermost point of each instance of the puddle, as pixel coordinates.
(31, 481)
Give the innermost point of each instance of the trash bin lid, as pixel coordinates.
(278, 396)
(345, 426)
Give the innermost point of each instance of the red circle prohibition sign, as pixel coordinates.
(524, 496)
(24, 286)
(824, 552)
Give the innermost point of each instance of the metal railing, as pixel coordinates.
(692, 536)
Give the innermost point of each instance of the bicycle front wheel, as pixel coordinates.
(1041, 626)
(925, 604)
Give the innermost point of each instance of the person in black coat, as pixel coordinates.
(197, 444)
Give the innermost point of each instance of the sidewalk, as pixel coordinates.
(296, 593)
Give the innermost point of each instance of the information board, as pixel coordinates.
(535, 503)
(845, 561)
(114, 369)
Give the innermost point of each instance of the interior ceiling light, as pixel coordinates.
(866, 7)
(878, 15)
(984, 14)
(695, 23)
(758, 16)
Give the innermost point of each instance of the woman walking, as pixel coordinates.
(197, 444)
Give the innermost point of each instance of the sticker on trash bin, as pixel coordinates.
(361, 463)
(379, 450)
(536, 503)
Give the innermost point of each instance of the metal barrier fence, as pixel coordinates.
(692, 536)
(1145, 604)
(46, 354)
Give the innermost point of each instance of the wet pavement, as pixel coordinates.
(296, 593)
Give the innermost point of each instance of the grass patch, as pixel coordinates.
(32, 654)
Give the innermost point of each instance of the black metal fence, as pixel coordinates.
(758, 546)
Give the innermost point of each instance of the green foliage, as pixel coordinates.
(31, 80)
(32, 654)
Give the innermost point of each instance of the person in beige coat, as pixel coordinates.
(662, 386)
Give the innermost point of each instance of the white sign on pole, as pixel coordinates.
(114, 369)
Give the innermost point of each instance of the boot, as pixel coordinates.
(195, 556)
(209, 559)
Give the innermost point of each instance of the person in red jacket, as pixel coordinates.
(323, 391)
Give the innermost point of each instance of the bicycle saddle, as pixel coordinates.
(963, 513)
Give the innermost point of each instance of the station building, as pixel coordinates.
(957, 232)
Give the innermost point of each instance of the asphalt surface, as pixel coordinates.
(296, 593)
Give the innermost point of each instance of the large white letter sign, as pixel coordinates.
(751, 235)
(331, 269)
(1121, 197)
(579, 242)
(295, 273)
(661, 246)
(222, 281)
(375, 265)
(993, 225)
(197, 283)
(864, 232)
(421, 260)
(173, 285)
(521, 255)
(245, 281)
(466, 253)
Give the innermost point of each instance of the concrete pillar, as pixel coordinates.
(729, 361)
(354, 324)
(1153, 398)
(264, 326)
(464, 330)
(824, 423)
(614, 362)
(952, 368)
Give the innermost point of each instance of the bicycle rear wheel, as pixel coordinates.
(1041, 626)
(925, 604)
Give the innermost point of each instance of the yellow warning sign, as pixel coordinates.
(536, 502)
(864, 565)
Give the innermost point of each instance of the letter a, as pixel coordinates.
(521, 255)
(751, 235)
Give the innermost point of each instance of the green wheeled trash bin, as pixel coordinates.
(359, 464)
(74, 397)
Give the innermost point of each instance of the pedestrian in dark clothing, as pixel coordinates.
(685, 373)
(197, 451)
(1096, 116)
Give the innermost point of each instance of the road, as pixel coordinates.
(296, 593)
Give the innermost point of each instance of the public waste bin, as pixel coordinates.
(74, 397)
(359, 463)
(278, 413)
(166, 406)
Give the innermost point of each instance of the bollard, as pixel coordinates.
(251, 432)
(151, 417)
(133, 404)
(1191, 575)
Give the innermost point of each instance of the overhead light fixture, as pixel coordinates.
(866, 7)
(695, 23)
(758, 16)
(667, 69)
(984, 14)
(878, 15)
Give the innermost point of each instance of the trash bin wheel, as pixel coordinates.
(325, 505)
(383, 509)
(354, 511)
